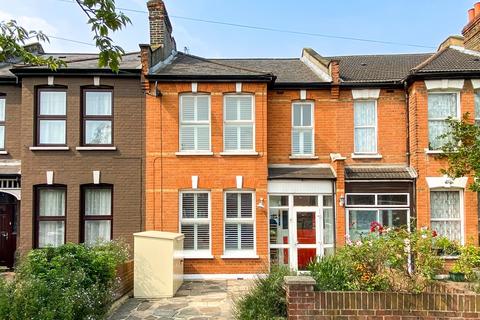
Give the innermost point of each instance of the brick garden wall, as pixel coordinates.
(306, 304)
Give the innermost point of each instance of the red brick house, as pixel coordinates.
(276, 161)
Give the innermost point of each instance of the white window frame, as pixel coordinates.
(195, 253)
(457, 116)
(238, 253)
(194, 123)
(3, 122)
(304, 128)
(360, 127)
(239, 123)
(462, 210)
(347, 195)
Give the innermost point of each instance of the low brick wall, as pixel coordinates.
(303, 303)
(125, 277)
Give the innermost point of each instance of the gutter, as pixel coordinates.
(76, 72)
(211, 78)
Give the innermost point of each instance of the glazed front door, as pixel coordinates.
(7, 239)
(307, 236)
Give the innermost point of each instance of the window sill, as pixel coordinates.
(192, 256)
(2, 152)
(239, 153)
(240, 256)
(366, 156)
(96, 148)
(428, 151)
(186, 153)
(300, 157)
(49, 148)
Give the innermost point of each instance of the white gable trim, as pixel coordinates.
(446, 182)
(366, 94)
(318, 71)
(445, 84)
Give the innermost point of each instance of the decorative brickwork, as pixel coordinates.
(306, 304)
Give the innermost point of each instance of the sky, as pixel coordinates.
(423, 23)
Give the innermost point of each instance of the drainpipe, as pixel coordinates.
(157, 93)
(407, 102)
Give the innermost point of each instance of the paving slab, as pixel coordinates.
(195, 300)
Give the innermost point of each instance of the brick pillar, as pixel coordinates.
(338, 164)
(300, 297)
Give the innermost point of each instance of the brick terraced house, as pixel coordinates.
(275, 161)
(71, 153)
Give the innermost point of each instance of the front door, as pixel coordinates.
(7, 239)
(307, 236)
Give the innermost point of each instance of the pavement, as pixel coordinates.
(195, 300)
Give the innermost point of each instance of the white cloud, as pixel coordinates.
(36, 24)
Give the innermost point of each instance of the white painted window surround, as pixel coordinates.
(194, 128)
(444, 84)
(365, 127)
(239, 124)
(447, 214)
(195, 214)
(303, 137)
(441, 106)
(365, 94)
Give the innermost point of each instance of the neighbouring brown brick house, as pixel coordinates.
(72, 154)
(275, 161)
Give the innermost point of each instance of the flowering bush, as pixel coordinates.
(389, 259)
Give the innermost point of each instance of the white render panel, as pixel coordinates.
(446, 182)
(194, 87)
(444, 84)
(366, 94)
(238, 87)
(303, 94)
(300, 186)
(476, 83)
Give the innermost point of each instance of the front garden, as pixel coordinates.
(70, 282)
(387, 260)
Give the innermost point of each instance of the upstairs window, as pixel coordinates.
(441, 106)
(302, 129)
(2, 122)
(97, 213)
(194, 123)
(50, 216)
(365, 123)
(97, 117)
(239, 124)
(239, 223)
(195, 222)
(51, 117)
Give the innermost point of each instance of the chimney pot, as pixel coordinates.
(477, 9)
(471, 15)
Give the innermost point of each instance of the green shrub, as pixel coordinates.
(69, 282)
(468, 260)
(266, 300)
(332, 273)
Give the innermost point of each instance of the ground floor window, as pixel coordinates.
(388, 209)
(446, 213)
(97, 213)
(50, 216)
(195, 222)
(239, 222)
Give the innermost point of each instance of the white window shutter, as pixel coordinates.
(230, 137)
(188, 108)
(231, 236)
(247, 236)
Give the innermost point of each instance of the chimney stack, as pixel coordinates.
(471, 32)
(160, 28)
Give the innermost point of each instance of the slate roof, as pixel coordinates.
(78, 61)
(452, 59)
(378, 68)
(379, 173)
(300, 173)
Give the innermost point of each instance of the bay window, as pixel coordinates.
(50, 216)
(239, 123)
(97, 117)
(51, 117)
(477, 108)
(441, 106)
(302, 129)
(194, 123)
(239, 223)
(97, 213)
(365, 126)
(388, 209)
(446, 213)
(195, 223)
